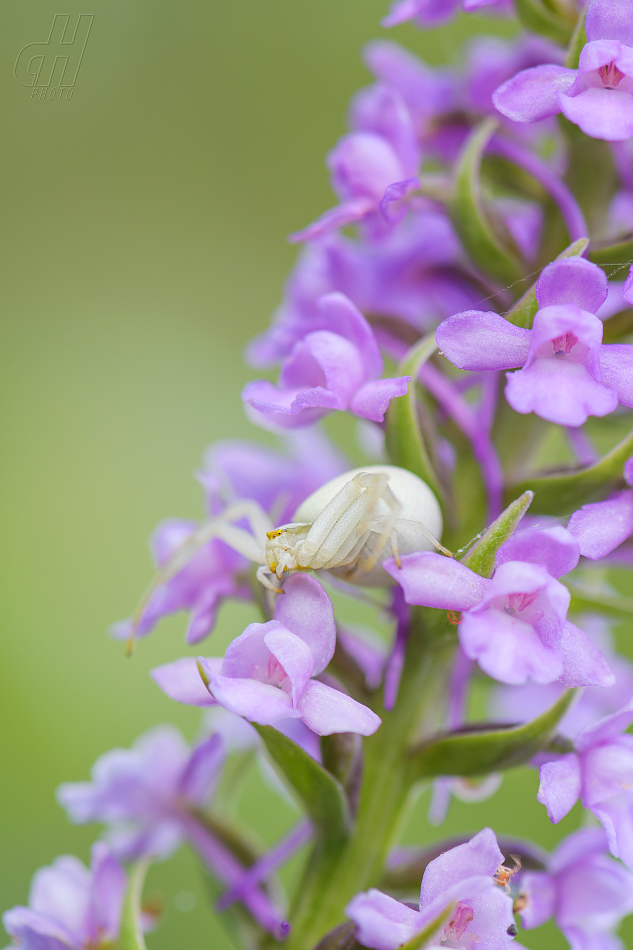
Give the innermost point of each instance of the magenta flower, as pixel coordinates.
(515, 626)
(410, 272)
(523, 703)
(601, 527)
(465, 874)
(434, 12)
(368, 173)
(142, 793)
(336, 367)
(600, 773)
(232, 471)
(148, 796)
(71, 906)
(598, 96)
(566, 373)
(266, 674)
(587, 892)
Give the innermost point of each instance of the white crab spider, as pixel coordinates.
(348, 527)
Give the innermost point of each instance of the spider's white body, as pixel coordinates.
(354, 522)
(349, 526)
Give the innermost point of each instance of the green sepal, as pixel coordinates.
(423, 937)
(576, 43)
(469, 217)
(524, 310)
(405, 442)
(534, 15)
(617, 254)
(481, 558)
(478, 750)
(321, 795)
(565, 491)
(130, 933)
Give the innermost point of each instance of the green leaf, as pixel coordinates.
(405, 442)
(469, 217)
(321, 795)
(534, 15)
(524, 310)
(480, 750)
(130, 934)
(567, 490)
(578, 40)
(617, 255)
(481, 558)
(429, 931)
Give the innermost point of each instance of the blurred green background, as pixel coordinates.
(144, 226)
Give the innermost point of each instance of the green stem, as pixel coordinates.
(332, 878)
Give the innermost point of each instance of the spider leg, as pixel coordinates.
(263, 575)
(249, 545)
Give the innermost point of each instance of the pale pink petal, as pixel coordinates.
(560, 786)
(433, 580)
(325, 711)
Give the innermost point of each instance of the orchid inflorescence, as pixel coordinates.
(481, 245)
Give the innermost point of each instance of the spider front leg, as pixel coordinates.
(249, 545)
(387, 531)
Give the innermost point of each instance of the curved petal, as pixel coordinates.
(383, 923)
(574, 280)
(340, 367)
(294, 655)
(433, 580)
(606, 729)
(346, 213)
(600, 527)
(616, 368)
(508, 649)
(478, 340)
(616, 817)
(38, 931)
(555, 548)
(601, 113)
(560, 786)
(480, 855)
(307, 611)
(607, 771)
(288, 408)
(559, 391)
(202, 769)
(182, 682)
(255, 701)
(325, 711)
(344, 318)
(372, 400)
(610, 20)
(532, 94)
(62, 892)
(584, 664)
(107, 892)
(540, 890)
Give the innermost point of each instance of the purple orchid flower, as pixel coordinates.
(410, 273)
(587, 892)
(142, 793)
(466, 875)
(601, 527)
(266, 674)
(515, 625)
(368, 174)
(435, 12)
(336, 367)
(523, 703)
(598, 96)
(71, 906)
(232, 471)
(566, 373)
(600, 773)
(148, 797)
(209, 578)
